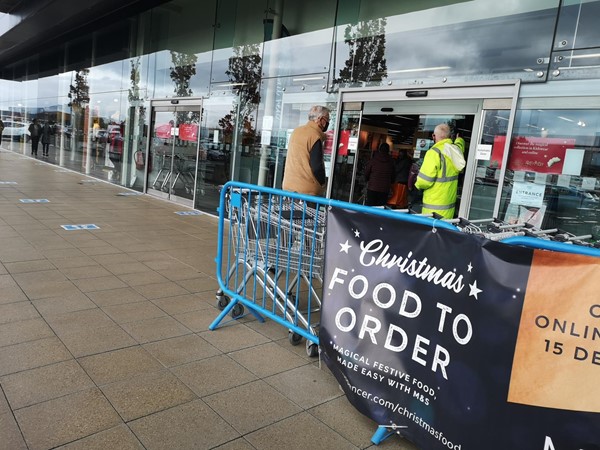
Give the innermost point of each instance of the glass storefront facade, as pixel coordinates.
(179, 99)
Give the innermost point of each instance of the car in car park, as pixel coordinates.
(16, 131)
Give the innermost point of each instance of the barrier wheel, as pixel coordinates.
(312, 349)
(222, 301)
(294, 338)
(237, 311)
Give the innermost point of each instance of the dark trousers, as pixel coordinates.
(45, 149)
(35, 141)
(376, 198)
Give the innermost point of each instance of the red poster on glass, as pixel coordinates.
(163, 131)
(328, 146)
(497, 152)
(188, 132)
(344, 139)
(538, 154)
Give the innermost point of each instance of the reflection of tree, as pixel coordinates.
(134, 96)
(79, 91)
(182, 71)
(244, 73)
(79, 98)
(366, 60)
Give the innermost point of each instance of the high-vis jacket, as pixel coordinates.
(438, 177)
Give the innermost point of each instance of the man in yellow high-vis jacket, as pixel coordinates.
(438, 177)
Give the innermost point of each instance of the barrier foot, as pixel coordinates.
(381, 435)
(229, 308)
(215, 323)
(255, 313)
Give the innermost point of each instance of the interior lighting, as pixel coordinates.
(579, 67)
(308, 79)
(231, 84)
(421, 69)
(591, 55)
(565, 118)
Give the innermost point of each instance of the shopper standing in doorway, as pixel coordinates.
(379, 174)
(438, 177)
(399, 197)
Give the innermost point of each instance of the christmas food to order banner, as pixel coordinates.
(466, 343)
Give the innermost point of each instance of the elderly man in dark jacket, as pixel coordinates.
(379, 174)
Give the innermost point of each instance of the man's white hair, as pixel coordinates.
(442, 131)
(316, 112)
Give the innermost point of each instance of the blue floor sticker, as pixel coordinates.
(89, 226)
(188, 213)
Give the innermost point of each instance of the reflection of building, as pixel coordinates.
(253, 76)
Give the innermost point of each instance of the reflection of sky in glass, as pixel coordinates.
(486, 37)
(301, 54)
(580, 124)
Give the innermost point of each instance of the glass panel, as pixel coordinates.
(219, 139)
(298, 41)
(342, 183)
(174, 151)
(487, 171)
(180, 39)
(383, 41)
(575, 64)
(284, 107)
(577, 26)
(239, 33)
(553, 170)
(79, 121)
(161, 150)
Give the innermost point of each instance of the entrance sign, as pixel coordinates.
(528, 194)
(460, 342)
(484, 152)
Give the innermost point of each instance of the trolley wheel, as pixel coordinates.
(294, 338)
(312, 349)
(222, 301)
(237, 310)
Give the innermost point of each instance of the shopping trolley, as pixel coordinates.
(498, 230)
(274, 261)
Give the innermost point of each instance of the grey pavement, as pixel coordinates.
(104, 340)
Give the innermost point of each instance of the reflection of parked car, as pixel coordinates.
(16, 131)
(215, 155)
(102, 136)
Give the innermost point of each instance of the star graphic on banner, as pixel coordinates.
(356, 233)
(474, 290)
(345, 247)
(469, 267)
